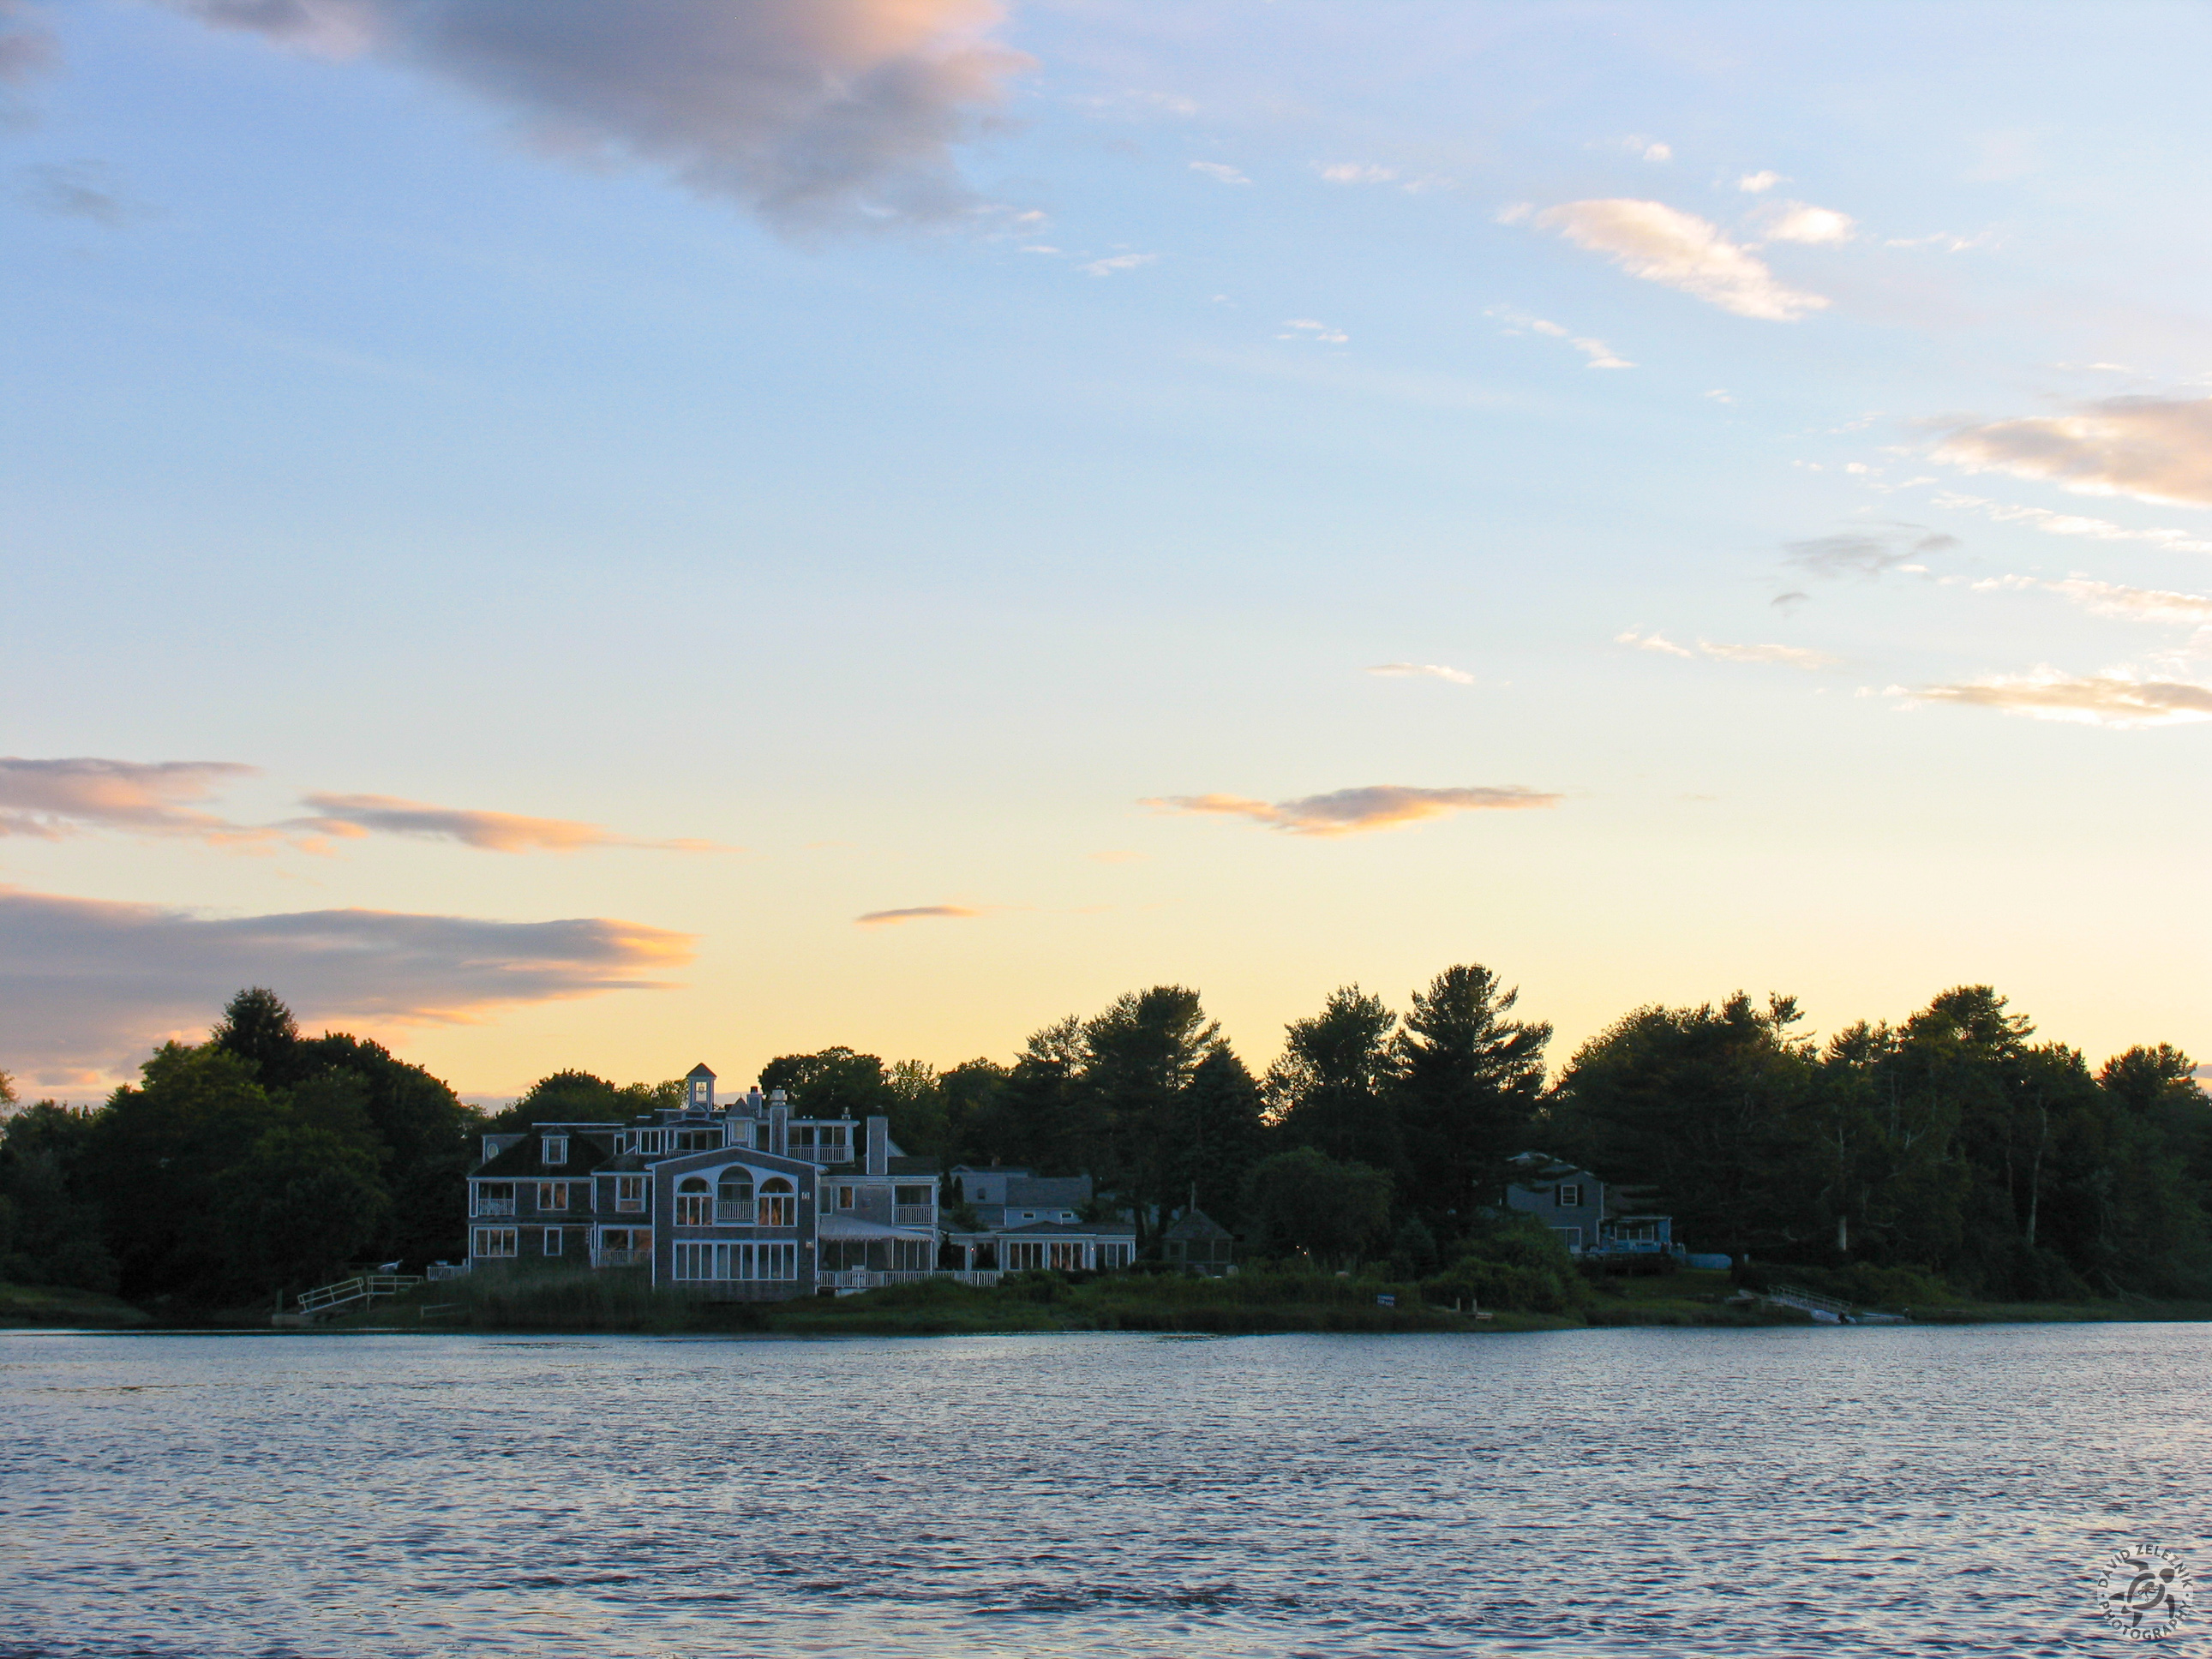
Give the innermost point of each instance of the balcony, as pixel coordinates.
(601, 1258)
(846, 1280)
(495, 1206)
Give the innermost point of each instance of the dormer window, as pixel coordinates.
(556, 1149)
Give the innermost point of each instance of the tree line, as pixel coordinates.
(1954, 1143)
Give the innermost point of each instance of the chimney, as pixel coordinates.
(879, 1145)
(753, 1100)
(779, 1112)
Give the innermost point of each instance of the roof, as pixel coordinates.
(1038, 1191)
(1054, 1230)
(701, 1070)
(1196, 1223)
(912, 1166)
(525, 1158)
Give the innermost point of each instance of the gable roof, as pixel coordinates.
(526, 1159)
(1196, 1223)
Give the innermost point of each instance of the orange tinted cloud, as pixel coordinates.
(1349, 811)
(89, 984)
(50, 799)
(917, 912)
(354, 816)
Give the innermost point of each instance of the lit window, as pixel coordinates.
(552, 1195)
(629, 1191)
(847, 1197)
(495, 1241)
(779, 1204)
(695, 1204)
(556, 1149)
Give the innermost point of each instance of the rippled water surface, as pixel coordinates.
(1599, 1493)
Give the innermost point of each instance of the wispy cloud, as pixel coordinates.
(27, 50)
(919, 913)
(2154, 449)
(811, 112)
(1358, 173)
(1868, 553)
(2144, 604)
(2117, 698)
(1349, 811)
(1220, 172)
(1658, 642)
(1755, 183)
(1113, 263)
(1801, 222)
(1313, 329)
(1660, 244)
(50, 799)
(75, 189)
(2069, 524)
(354, 816)
(87, 985)
(1790, 656)
(1647, 149)
(1422, 670)
(1600, 355)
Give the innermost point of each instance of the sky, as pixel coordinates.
(614, 535)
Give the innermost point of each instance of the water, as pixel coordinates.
(1582, 1494)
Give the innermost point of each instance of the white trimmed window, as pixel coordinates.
(695, 1263)
(695, 1202)
(492, 1241)
(552, 1195)
(629, 1191)
(1570, 1197)
(552, 1244)
(846, 1197)
(779, 1203)
(557, 1149)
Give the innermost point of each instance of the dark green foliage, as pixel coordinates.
(1513, 1263)
(1303, 1202)
(1468, 1080)
(1413, 1250)
(48, 1235)
(1333, 1088)
(1221, 1134)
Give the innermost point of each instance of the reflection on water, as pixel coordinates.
(1587, 1493)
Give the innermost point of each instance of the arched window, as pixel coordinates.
(734, 1197)
(693, 1207)
(779, 1205)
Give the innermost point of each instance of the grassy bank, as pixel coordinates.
(51, 1305)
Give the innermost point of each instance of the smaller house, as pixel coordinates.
(1025, 1221)
(1196, 1243)
(1591, 1217)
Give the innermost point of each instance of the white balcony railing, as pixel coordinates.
(621, 1258)
(495, 1206)
(874, 1279)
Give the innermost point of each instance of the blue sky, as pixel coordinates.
(882, 456)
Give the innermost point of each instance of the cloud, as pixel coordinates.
(2069, 524)
(1107, 267)
(87, 985)
(354, 816)
(2144, 604)
(1755, 182)
(1648, 150)
(75, 190)
(51, 799)
(1420, 670)
(1349, 811)
(1800, 222)
(1312, 329)
(2154, 449)
(27, 50)
(1865, 554)
(1792, 656)
(1660, 244)
(1221, 171)
(2117, 698)
(1355, 173)
(917, 913)
(1600, 355)
(813, 113)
